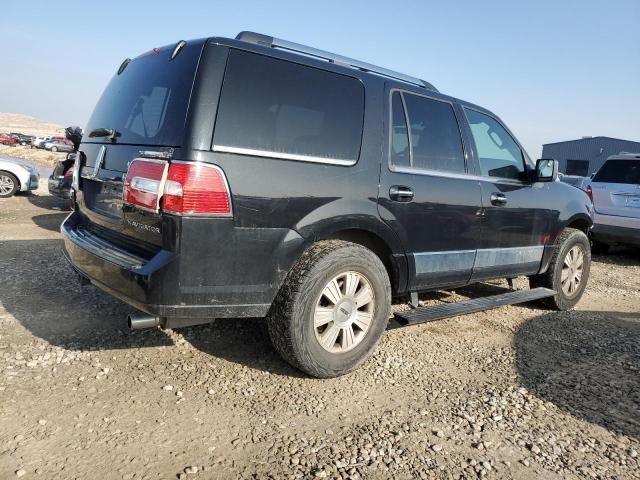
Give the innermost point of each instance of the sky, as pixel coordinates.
(553, 70)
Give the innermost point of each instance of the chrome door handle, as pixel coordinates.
(498, 199)
(400, 193)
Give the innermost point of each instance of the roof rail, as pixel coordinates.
(268, 41)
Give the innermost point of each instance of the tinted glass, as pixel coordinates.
(435, 137)
(498, 152)
(147, 103)
(619, 171)
(278, 106)
(399, 133)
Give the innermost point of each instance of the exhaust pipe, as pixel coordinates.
(137, 321)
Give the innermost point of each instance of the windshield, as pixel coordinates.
(147, 103)
(619, 171)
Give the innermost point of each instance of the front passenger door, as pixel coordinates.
(515, 220)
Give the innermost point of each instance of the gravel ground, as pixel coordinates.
(516, 392)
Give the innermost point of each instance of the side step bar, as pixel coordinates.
(438, 312)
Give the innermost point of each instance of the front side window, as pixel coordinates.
(498, 153)
(279, 107)
(435, 136)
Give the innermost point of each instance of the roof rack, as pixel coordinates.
(272, 42)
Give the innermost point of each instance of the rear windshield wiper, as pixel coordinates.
(112, 133)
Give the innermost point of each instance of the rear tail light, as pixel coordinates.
(196, 189)
(69, 172)
(590, 193)
(142, 185)
(182, 188)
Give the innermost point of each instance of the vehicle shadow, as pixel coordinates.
(41, 291)
(50, 221)
(50, 202)
(587, 363)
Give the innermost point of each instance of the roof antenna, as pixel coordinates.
(176, 50)
(123, 65)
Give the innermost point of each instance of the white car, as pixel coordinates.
(39, 142)
(615, 192)
(17, 176)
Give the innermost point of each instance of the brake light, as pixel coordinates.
(590, 193)
(196, 189)
(143, 183)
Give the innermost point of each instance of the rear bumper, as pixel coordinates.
(615, 234)
(160, 285)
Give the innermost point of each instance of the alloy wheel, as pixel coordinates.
(572, 269)
(6, 185)
(344, 312)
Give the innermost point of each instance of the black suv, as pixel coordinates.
(255, 177)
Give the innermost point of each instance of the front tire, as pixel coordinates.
(9, 185)
(568, 270)
(331, 310)
(54, 149)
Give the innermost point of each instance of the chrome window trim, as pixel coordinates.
(462, 176)
(412, 169)
(283, 156)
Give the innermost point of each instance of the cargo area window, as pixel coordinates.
(498, 153)
(276, 108)
(619, 171)
(432, 142)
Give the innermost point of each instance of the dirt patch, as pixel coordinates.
(516, 392)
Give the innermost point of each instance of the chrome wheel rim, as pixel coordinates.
(6, 185)
(572, 270)
(344, 312)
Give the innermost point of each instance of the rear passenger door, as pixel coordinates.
(516, 212)
(426, 194)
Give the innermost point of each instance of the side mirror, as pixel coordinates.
(546, 170)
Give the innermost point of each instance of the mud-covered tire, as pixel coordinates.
(291, 324)
(552, 278)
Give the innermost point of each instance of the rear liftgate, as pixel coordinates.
(438, 312)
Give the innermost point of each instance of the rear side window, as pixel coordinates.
(498, 153)
(619, 171)
(435, 136)
(271, 107)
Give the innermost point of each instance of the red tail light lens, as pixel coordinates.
(590, 193)
(69, 172)
(143, 182)
(196, 189)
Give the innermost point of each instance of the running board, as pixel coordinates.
(438, 312)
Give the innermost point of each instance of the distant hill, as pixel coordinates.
(19, 123)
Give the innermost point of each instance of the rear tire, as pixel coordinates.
(54, 149)
(331, 310)
(9, 185)
(568, 270)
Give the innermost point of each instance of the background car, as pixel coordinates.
(17, 176)
(22, 139)
(57, 145)
(39, 142)
(575, 181)
(7, 139)
(615, 192)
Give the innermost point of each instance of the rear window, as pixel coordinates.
(271, 107)
(619, 171)
(147, 103)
